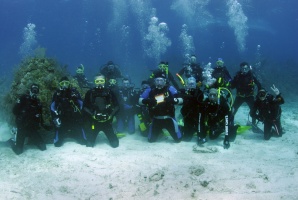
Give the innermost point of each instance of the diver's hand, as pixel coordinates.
(149, 102)
(226, 142)
(57, 122)
(275, 90)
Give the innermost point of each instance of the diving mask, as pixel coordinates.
(220, 62)
(112, 81)
(191, 83)
(99, 81)
(213, 95)
(262, 95)
(64, 84)
(34, 91)
(160, 83)
(80, 69)
(245, 69)
(163, 67)
(193, 60)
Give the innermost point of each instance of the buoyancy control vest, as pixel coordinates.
(101, 101)
(162, 108)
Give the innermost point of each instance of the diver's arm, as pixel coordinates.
(144, 95)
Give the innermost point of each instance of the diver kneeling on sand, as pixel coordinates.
(267, 110)
(216, 117)
(28, 112)
(100, 107)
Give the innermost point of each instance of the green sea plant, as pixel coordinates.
(45, 72)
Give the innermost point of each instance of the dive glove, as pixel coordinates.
(57, 122)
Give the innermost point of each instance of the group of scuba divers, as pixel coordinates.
(207, 106)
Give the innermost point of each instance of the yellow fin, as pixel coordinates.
(121, 135)
(242, 129)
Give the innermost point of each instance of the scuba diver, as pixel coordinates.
(192, 99)
(221, 74)
(163, 67)
(245, 82)
(192, 69)
(81, 78)
(28, 112)
(220, 79)
(100, 107)
(215, 117)
(128, 99)
(161, 101)
(143, 111)
(66, 111)
(112, 84)
(111, 71)
(267, 109)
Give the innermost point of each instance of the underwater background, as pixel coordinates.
(138, 34)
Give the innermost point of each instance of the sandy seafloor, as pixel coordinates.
(251, 169)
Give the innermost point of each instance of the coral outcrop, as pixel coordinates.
(43, 71)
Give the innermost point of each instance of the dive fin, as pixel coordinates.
(120, 135)
(242, 129)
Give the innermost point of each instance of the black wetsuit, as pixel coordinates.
(28, 112)
(222, 76)
(192, 70)
(245, 85)
(100, 107)
(216, 118)
(192, 98)
(128, 99)
(67, 107)
(269, 111)
(111, 71)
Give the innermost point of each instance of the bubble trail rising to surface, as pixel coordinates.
(29, 41)
(194, 12)
(188, 46)
(156, 40)
(258, 56)
(238, 21)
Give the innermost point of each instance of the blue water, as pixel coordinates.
(137, 34)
